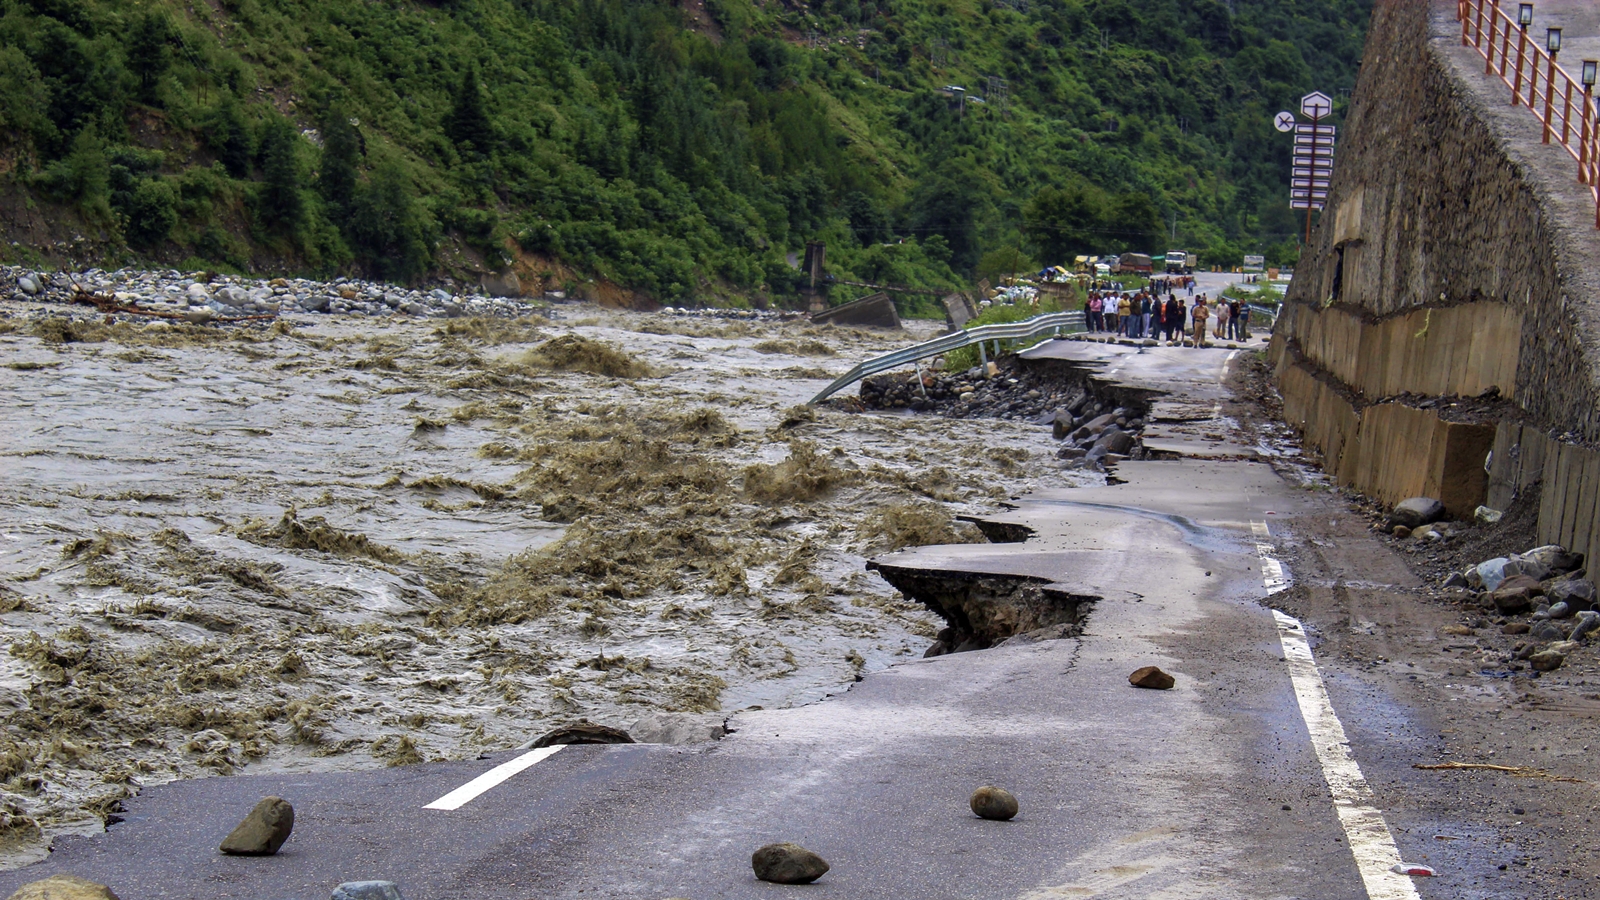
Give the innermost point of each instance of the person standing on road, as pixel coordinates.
(1200, 313)
(1124, 312)
(1235, 327)
(1174, 318)
(1223, 329)
(1096, 312)
(1145, 304)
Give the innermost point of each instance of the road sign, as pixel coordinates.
(1283, 121)
(1313, 128)
(1316, 105)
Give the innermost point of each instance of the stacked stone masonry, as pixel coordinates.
(1447, 263)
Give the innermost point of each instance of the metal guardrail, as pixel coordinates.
(1006, 332)
(1570, 111)
(1270, 312)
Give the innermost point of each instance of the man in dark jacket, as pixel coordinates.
(1174, 317)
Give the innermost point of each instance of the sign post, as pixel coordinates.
(1313, 154)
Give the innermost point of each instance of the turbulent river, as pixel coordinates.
(342, 542)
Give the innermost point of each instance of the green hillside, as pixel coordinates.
(684, 152)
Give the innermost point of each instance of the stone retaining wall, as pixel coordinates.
(1448, 263)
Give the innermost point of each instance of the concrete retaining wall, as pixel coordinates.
(1455, 256)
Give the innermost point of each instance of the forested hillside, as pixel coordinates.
(682, 151)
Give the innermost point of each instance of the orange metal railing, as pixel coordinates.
(1566, 108)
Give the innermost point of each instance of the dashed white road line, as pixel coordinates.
(1365, 830)
(470, 791)
(1216, 408)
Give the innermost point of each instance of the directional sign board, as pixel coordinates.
(1312, 173)
(1283, 121)
(1316, 105)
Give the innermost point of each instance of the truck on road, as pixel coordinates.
(1179, 262)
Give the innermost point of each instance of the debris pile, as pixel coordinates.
(1543, 593)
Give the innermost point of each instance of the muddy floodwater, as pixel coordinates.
(341, 543)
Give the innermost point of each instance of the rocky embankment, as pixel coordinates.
(1098, 424)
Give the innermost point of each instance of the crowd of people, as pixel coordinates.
(1177, 319)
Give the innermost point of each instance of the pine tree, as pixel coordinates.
(280, 204)
(341, 160)
(150, 55)
(468, 124)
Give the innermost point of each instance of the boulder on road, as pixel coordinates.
(1152, 678)
(63, 887)
(1576, 593)
(1546, 660)
(1416, 512)
(990, 802)
(787, 863)
(263, 830)
(367, 890)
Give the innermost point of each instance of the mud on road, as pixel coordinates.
(337, 543)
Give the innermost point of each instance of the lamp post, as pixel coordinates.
(1552, 43)
(1524, 19)
(1591, 69)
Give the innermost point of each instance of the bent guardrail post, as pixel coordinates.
(1011, 330)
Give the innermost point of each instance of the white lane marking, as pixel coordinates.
(470, 791)
(1271, 570)
(1216, 409)
(1364, 828)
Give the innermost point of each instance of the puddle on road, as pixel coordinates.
(357, 542)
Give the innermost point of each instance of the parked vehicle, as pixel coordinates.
(1133, 264)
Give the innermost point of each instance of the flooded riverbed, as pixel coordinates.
(348, 542)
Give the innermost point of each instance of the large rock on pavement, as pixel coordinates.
(263, 830)
(1576, 593)
(1416, 512)
(787, 864)
(1151, 677)
(1515, 594)
(990, 802)
(1546, 660)
(63, 887)
(367, 890)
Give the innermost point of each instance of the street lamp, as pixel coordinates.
(1524, 15)
(1552, 41)
(1590, 69)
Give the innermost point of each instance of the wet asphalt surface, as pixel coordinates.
(1208, 790)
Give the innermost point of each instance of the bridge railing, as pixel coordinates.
(1009, 331)
(1565, 107)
